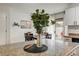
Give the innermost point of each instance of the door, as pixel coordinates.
(3, 30)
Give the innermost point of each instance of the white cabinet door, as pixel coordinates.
(77, 15)
(66, 17)
(70, 16)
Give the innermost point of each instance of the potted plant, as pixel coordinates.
(40, 19)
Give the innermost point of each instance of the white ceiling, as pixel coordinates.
(50, 8)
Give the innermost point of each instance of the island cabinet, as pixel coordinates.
(72, 37)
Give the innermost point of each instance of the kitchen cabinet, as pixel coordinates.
(69, 16)
(66, 17)
(67, 39)
(77, 15)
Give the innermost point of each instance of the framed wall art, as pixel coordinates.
(25, 24)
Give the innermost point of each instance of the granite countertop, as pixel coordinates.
(55, 48)
(72, 35)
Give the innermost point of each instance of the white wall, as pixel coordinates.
(16, 33)
(4, 36)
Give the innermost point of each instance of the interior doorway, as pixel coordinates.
(59, 28)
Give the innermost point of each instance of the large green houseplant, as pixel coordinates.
(40, 19)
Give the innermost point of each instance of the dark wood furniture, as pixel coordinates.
(28, 36)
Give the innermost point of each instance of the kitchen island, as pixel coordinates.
(74, 37)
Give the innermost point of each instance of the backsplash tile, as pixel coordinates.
(73, 28)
